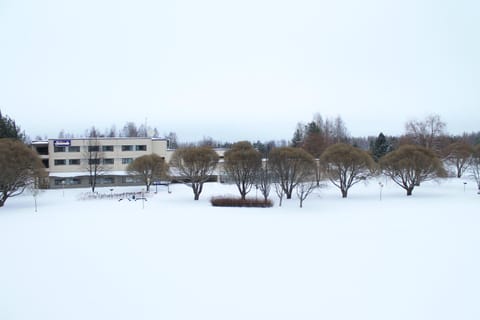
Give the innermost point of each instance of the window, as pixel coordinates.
(141, 147)
(94, 161)
(75, 181)
(127, 160)
(43, 151)
(74, 149)
(59, 149)
(129, 179)
(107, 180)
(60, 162)
(107, 148)
(93, 148)
(74, 162)
(108, 161)
(67, 181)
(127, 148)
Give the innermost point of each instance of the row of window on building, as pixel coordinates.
(100, 180)
(76, 162)
(109, 148)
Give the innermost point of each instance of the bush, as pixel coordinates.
(238, 202)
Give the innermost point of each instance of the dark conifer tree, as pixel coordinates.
(9, 129)
(380, 147)
(298, 136)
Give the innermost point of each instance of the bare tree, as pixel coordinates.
(112, 132)
(194, 166)
(475, 165)
(291, 166)
(264, 180)
(315, 144)
(458, 155)
(340, 132)
(305, 188)
(410, 165)
(93, 133)
(279, 191)
(143, 130)
(93, 161)
(426, 133)
(149, 168)
(172, 140)
(345, 166)
(319, 134)
(20, 167)
(130, 130)
(242, 164)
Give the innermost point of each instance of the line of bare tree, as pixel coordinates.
(320, 150)
(323, 150)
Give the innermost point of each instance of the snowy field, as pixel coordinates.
(174, 258)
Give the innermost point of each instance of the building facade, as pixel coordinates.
(68, 160)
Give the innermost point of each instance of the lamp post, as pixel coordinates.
(464, 186)
(381, 188)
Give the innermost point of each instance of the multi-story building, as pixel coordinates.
(67, 160)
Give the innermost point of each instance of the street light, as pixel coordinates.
(381, 188)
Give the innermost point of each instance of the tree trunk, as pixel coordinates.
(197, 189)
(93, 183)
(344, 193)
(409, 191)
(243, 195)
(5, 197)
(288, 194)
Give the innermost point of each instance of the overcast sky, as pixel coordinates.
(235, 70)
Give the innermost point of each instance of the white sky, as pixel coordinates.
(235, 70)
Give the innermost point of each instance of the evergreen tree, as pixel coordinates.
(298, 136)
(312, 128)
(9, 129)
(380, 147)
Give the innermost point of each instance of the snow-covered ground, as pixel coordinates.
(174, 258)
